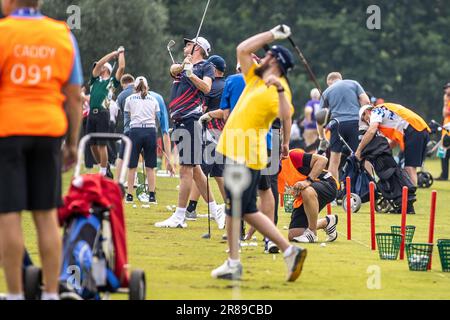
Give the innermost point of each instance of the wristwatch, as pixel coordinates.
(280, 90)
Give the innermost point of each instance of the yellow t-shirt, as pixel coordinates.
(244, 136)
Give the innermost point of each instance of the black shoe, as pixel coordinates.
(109, 173)
(152, 198)
(129, 198)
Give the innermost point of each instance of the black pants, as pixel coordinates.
(445, 164)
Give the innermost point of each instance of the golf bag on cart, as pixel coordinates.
(94, 246)
(392, 178)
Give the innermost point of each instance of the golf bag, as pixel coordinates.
(392, 178)
(94, 248)
(360, 178)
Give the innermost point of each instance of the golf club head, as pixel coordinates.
(170, 44)
(206, 236)
(323, 117)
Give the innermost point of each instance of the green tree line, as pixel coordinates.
(406, 61)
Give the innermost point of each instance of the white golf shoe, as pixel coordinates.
(307, 237)
(172, 223)
(226, 272)
(220, 217)
(331, 229)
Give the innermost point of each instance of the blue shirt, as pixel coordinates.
(163, 115)
(76, 75)
(342, 98)
(121, 102)
(234, 86)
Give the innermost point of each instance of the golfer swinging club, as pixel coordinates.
(266, 97)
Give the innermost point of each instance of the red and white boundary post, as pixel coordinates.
(329, 211)
(404, 213)
(372, 216)
(432, 223)
(349, 208)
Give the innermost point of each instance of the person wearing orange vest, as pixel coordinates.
(304, 176)
(403, 127)
(446, 134)
(40, 104)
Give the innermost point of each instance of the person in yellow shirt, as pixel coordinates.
(40, 104)
(266, 97)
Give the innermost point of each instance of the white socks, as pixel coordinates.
(213, 207)
(103, 171)
(180, 214)
(289, 251)
(49, 296)
(15, 297)
(233, 263)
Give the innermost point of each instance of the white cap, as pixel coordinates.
(364, 109)
(202, 42)
(109, 67)
(138, 81)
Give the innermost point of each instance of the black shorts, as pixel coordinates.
(122, 146)
(326, 191)
(98, 122)
(188, 138)
(144, 140)
(30, 173)
(349, 130)
(213, 164)
(265, 182)
(249, 197)
(415, 147)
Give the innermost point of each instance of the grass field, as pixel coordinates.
(178, 262)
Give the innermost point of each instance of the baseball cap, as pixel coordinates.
(284, 57)
(202, 42)
(447, 86)
(109, 67)
(138, 81)
(364, 109)
(218, 62)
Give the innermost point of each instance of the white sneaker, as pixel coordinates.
(294, 263)
(307, 237)
(331, 229)
(226, 272)
(272, 248)
(172, 223)
(220, 217)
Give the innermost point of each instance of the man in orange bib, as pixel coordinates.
(40, 103)
(403, 127)
(304, 176)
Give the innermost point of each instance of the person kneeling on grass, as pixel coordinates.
(313, 187)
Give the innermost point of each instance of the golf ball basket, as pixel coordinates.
(410, 231)
(388, 245)
(419, 256)
(444, 254)
(288, 203)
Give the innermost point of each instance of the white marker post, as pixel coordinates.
(237, 180)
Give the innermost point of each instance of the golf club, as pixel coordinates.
(169, 48)
(208, 235)
(306, 64)
(200, 27)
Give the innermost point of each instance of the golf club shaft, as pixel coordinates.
(306, 64)
(171, 56)
(200, 27)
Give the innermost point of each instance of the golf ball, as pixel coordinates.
(134, 206)
(323, 245)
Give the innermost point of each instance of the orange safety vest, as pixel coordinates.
(36, 60)
(409, 116)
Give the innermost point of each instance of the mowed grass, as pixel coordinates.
(178, 262)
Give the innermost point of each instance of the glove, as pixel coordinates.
(205, 118)
(121, 49)
(189, 68)
(281, 32)
(323, 146)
